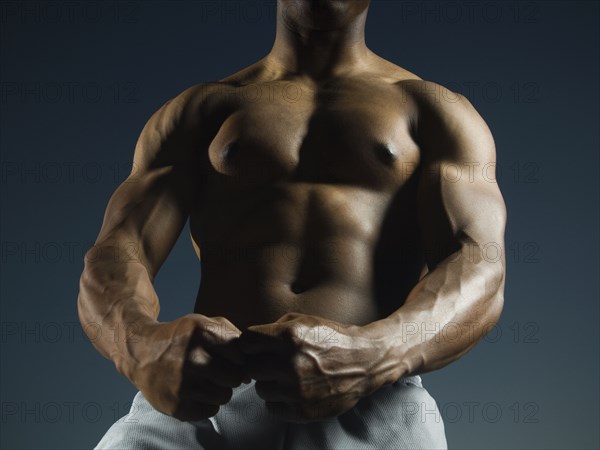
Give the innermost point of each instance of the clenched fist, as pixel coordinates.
(309, 368)
(187, 368)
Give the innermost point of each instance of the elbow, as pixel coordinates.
(82, 307)
(88, 310)
(495, 299)
(85, 287)
(494, 310)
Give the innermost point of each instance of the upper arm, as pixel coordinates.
(147, 212)
(459, 201)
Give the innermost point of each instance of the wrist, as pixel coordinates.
(133, 342)
(386, 346)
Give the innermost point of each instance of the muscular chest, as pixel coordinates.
(354, 133)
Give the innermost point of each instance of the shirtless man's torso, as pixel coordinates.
(326, 189)
(307, 196)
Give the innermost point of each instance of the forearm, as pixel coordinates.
(444, 316)
(116, 300)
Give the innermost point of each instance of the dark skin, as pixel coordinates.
(341, 247)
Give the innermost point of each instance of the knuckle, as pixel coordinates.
(289, 316)
(298, 365)
(293, 334)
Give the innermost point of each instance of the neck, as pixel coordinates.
(316, 52)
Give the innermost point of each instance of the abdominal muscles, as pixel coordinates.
(304, 248)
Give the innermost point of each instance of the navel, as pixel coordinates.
(297, 287)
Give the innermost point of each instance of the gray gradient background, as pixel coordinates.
(532, 73)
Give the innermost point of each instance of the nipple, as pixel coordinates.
(386, 153)
(231, 149)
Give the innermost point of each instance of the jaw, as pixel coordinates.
(322, 15)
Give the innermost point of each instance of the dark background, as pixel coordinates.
(79, 80)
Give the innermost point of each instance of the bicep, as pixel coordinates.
(147, 212)
(459, 200)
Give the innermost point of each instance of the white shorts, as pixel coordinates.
(398, 416)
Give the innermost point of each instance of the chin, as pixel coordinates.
(323, 14)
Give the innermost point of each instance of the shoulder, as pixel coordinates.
(172, 127)
(443, 112)
(426, 99)
(185, 110)
(436, 102)
(188, 102)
